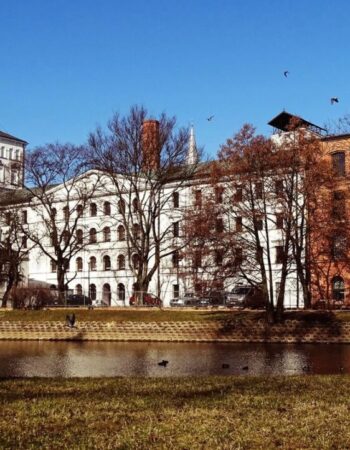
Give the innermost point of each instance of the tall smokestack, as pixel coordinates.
(150, 144)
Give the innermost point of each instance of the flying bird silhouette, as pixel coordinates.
(286, 73)
(210, 118)
(334, 100)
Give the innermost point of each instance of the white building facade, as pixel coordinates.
(101, 268)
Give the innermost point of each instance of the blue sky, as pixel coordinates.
(66, 66)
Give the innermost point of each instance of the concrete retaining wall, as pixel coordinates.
(215, 331)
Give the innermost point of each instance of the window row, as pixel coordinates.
(105, 295)
(10, 153)
(106, 235)
(238, 194)
(106, 263)
(106, 209)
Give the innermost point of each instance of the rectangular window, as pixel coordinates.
(338, 163)
(176, 229)
(238, 224)
(259, 224)
(219, 225)
(238, 256)
(197, 262)
(279, 188)
(175, 199)
(338, 210)
(24, 216)
(198, 198)
(339, 247)
(238, 194)
(218, 257)
(175, 259)
(279, 221)
(219, 194)
(279, 254)
(258, 190)
(24, 241)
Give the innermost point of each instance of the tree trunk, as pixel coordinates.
(61, 283)
(10, 283)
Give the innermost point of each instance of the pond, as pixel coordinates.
(95, 359)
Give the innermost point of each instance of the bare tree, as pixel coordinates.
(145, 162)
(60, 189)
(13, 251)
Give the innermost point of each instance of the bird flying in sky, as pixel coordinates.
(286, 73)
(334, 100)
(210, 118)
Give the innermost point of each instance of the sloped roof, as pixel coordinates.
(283, 120)
(11, 138)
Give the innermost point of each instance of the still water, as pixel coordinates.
(94, 359)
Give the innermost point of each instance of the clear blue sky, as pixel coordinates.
(67, 65)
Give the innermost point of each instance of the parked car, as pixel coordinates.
(147, 299)
(245, 297)
(213, 298)
(78, 300)
(189, 299)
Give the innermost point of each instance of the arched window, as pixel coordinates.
(79, 236)
(106, 234)
(79, 289)
(80, 210)
(121, 262)
(93, 210)
(121, 292)
(106, 263)
(66, 213)
(107, 209)
(53, 287)
(136, 231)
(121, 233)
(338, 288)
(79, 264)
(92, 263)
(121, 206)
(106, 294)
(93, 291)
(92, 236)
(135, 260)
(135, 205)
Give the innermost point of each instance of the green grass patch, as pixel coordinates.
(164, 315)
(295, 412)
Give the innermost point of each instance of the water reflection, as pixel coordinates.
(82, 359)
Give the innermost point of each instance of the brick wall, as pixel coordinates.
(222, 331)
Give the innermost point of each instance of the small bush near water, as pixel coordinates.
(296, 412)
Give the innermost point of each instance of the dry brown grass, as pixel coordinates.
(309, 412)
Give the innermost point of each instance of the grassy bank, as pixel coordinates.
(163, 315)
(310, 412)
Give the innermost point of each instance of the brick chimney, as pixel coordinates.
(150, 145)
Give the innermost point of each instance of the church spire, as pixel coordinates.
(192, 155)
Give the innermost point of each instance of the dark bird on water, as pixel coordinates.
(286, 73)
(225, 366)
(70, 320)
(334, 100)
(163, 363)
(210, 118)
(245, 368)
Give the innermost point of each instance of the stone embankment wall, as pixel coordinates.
(291, 331)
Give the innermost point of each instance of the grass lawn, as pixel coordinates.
(163, 315)
(296, 412)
